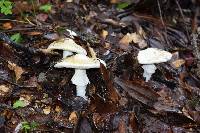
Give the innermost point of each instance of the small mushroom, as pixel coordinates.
(151, 56)
(80, 62)
(68, 46)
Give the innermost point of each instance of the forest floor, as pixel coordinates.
(37, 97)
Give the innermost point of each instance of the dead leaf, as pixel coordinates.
(178, 63)
(26, 99)
(166, 103)
(133, 37)
(114, 1)
(195, 115)
(7, 25)
(58, 109)
(120, 122)
(104, 34)
(109, 84)
(4, 90)
(102, 120)
(107, 45)
(47, 110)
(186, 113)
(34, 33)
(73, 118)
(139, 92)
(18, 70)
(153, 125)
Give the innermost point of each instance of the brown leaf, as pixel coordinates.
(18, 70)
(186, 113)
(73, 118)
(34, 33)
(104, 34)
(4, 90)
(6, 52)
(166, 103)
(133, 37)
(7, 25)
(47, 110)
(102, 121)
(26, 98)
(195, 115)
(114, 1)
(58, 109)
(109, 84)
(119, 122)
(97, 103)
(128, 123)
(139, 92)
(178, 63)
(153, 125)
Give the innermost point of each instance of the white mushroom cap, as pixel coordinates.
(67, 44)
(153, 55)
(79, 61)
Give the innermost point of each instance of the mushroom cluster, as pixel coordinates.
(79, 61)
(151, 56)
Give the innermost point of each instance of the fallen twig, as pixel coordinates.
(29, 50)
(6, 39)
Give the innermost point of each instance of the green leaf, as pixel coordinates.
(46, 7)
(26, 126)
(6, 10)
(122, 5)
(19, 104)
(16, 37)
(6, 7)
(7, 3)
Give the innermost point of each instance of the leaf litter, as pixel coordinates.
(119, 98)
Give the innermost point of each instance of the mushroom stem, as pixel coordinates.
(148, 71)
(67, 53)
(81, 80)
(81, 91)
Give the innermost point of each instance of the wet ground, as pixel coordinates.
(119, 99)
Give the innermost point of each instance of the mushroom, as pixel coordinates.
(151, 56)
(80, 62)
(68, 46)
